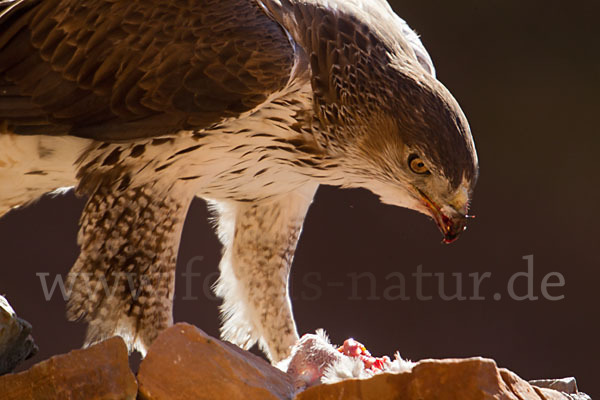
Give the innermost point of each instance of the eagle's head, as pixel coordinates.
(421, 155)
(394, 129)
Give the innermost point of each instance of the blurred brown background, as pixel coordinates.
(527, 75)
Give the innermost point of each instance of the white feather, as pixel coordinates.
(31, 166)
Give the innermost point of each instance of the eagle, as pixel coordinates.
(142, 105)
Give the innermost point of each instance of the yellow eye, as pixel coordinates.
(416, 165)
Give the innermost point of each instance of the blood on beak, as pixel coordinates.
(451, 226)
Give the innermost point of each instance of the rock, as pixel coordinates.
(98, 372)
(16, 343)
(465, 379)
(519, 386)
(186, 363)
(565, 385)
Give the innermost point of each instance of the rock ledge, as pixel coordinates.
(186, 363)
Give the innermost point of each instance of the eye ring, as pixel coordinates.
(417, 165)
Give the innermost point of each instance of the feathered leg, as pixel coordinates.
(123, 281)
(259, 242)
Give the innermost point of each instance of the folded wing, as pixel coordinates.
(125, 69)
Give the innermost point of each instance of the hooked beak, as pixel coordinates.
(450, 224)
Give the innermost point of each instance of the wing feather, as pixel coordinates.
(123, 69)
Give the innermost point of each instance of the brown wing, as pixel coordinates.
(123, 69)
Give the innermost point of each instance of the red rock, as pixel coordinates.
(522, 388)
(186, 363)
(463, 379)
(98, 372)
